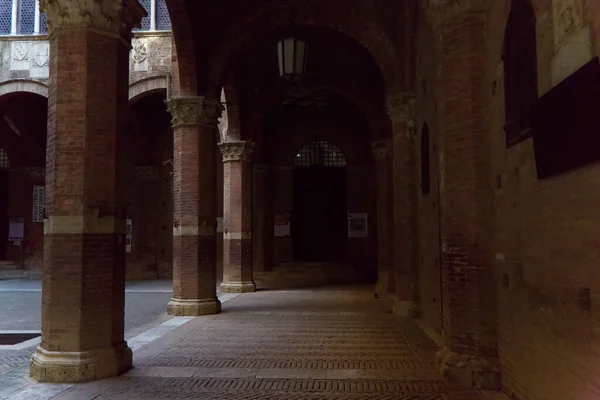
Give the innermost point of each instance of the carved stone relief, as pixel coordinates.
(568, 18)
(139, 54)
(32, 56)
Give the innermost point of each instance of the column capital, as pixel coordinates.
(194, 111)
(382, 149)
(401, 109)
(439, 12)
(113, 16)
(236, 151)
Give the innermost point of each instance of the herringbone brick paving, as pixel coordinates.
(303, 344)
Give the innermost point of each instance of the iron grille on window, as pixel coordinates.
(163, 22)
(5, 16)
(147, 4)
(26, 17)
(43, 23)
(320, 153)
(4, 161)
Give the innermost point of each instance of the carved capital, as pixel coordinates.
(382, 149)
(113, 16)
(402, 111)
(439, 12)
(236, 151)
(194, 111)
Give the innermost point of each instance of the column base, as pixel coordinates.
(464, 371)
(76, 367)
(237, 287)
(383, 282)
(193, 308)
(407, 308)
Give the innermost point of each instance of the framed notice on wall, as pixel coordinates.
(281, 227)
(38, 204)
(16, 230)
(357, 225)
(128, 234)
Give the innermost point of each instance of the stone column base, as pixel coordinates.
(237, 287)
(76, 367)
(193, 308)
(463, 371)
(407, 308)
(383, 282)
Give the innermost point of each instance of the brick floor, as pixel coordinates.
(302, 344)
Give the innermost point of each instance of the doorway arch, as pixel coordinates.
(319, 230)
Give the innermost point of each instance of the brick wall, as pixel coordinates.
(544, 247)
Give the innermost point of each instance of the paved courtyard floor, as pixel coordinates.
(329, 343)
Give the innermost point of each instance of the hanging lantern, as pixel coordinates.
(292, 58)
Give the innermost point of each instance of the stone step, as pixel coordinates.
(8, 265)
(20, 274)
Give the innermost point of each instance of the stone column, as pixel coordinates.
(262, 224)
(194, 206)
(401, 109)
(237, 217)
(382, 153)
(83, 287)
(469, 357)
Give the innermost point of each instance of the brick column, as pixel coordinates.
(194, 206)
(83, 288)
(469, 357)
(401, 109)
(237, 217)
(382, 153)
(262, 225)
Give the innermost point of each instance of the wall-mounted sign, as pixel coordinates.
(357, 225)
(219, 224)
(16, 230)
(128, 234)
(38, 204)
(281, 226)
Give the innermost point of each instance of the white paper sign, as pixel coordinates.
(282, 226)
(357, 225)
(16, 229)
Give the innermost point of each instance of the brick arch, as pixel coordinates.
(24, 85)
(183, 67)
(377, 120)
(146, 87)
(350, 21)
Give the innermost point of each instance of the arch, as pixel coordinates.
(319, 153)
(262, 20)
(520, 70)
(4, 160)
(24, 85)
(183, 66)
(425, 161)
(147, 86)
(375, 115)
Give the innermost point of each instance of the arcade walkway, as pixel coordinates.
(306, 344)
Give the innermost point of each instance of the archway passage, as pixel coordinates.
(319, 204)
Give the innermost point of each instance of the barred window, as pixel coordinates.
(4, 161)
(26, 17)
(163, 22)
(43, 24)
(319, 153)
(5, 16)
(147, 4)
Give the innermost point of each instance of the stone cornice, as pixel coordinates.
(236, 151)
(382, 149)
(401, 109)
(439, 12)
(113, 16)
(194, 111)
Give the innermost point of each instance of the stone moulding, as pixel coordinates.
(194, 111)
(236, 151)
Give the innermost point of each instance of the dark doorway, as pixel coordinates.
(3, 213)
(319, 230)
